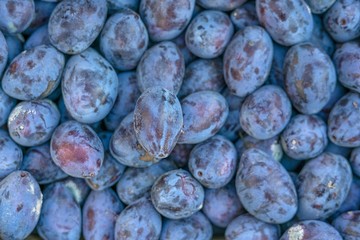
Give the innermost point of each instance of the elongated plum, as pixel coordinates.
(20, 205)
(205, 112)
(265, 188)
(310, 77)
(247, 60)
(158, 121)
(89, 86)
(322, 185)
(77, 150)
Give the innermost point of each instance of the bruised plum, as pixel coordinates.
(99, 214)
(20, 205)
(246, 227)
(128, 93)
(74, 25)
(195, 227)
(124, 39)
(208, 34)
(89, 86)
(322, 185)
(213, 162)
(38, 162)
(342, 20)
(162, 65)
(310, 77)
(347, 62)
(344, 121)
(222, 205)
(16, 16)
(265, 112)
(158, 121)
(304, 137)
(265, 188)
(77, 150)
(166, 19)
(135, 182)
(34, 74)
(311, 230)
(176, 194)
(201, 75)
(247, 60)
(32, 123)
(126, 149)
(348, 225)
(222, 5)
(288, 22)
(205, 112)
(60, 214)
(139, 220)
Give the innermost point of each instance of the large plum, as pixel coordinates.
(16, 15)
(265, 188)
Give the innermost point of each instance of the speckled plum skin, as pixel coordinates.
(195, 227)
(136, 182)
(123, 49)
(265, 112)
(342, 20)
(176, 194)
(166, 19)
(222, 5)
(158, 121)
(38, 162)
(208, 34)
(77, 150)
(201, 75)
(139, 220)
(348, 225)
(34, 74)
(162, 65)
(4, 52)
(16, 15)
(74, 25)
(246, 227)
(288, 22)
(95, 83)
(11, 155)
(108, 175)
(222, 205)
(205, 112)
(271, 146)
(347, 61)
(213, 162)
(355, 161)
(310, 77)
(344, 121)
(20, 205)
(32, 123)
(322, 185)
(304, 137)
(265, 188)
(311, 230)
(60, 216)
(128, 93)
(247, 60)
(244, 16)
(99, 214)
(319, 7)
(125, 148)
